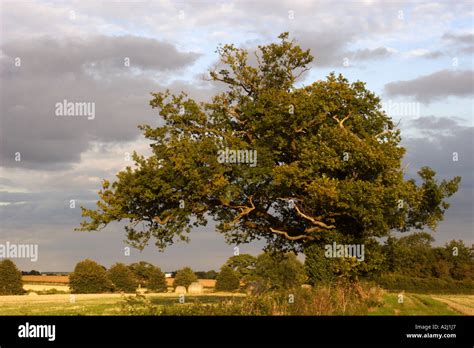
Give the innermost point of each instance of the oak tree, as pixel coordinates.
(329, 162)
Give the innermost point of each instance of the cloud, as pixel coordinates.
(49, 55)
(462, 42)
(422, 53)
(440, 84)
(79, 70)
(370, 54)
(445, 144)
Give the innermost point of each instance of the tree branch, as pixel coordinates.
(287, 236)
(313, 220)
(162, 222)
(341, 122)
(244, 210)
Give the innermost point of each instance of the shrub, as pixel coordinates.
(89, 278)
(342, 298)
(138, 304)
(184, 277)
(227, 280)
(399, 282)
(10, 279)
(157, 280)
(122, 278)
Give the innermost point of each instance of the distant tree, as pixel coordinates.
(242, 264)
(461, 260)
(279, 271)
(227, 280)
(34, 272)
(142, 271)
(211, 274)
(122, 278)
(411, 255)
(200, 274)
(10, 279)
(88, 278)
(184, 277)
(156, 281)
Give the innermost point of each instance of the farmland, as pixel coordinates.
(109, 304)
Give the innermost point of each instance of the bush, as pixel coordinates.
(184, 277)
(399, 282)
(122, 278)
(89, 278)
(227, 280)
(157, 280)
(10, 279)
(343, 298)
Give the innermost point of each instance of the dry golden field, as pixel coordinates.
(207, 283)
(45, 279)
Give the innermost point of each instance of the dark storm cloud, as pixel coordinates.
(77, 70)
(446, 146)
(52, 56)
(440, 84)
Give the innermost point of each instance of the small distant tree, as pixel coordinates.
(461, 260)
(227, 280)
(142, 271)
(279, 271)
(211, 274)
(243, 264)
(10, 279)
(88, 278)
(184, 277)
(122, 278)
(157, 280)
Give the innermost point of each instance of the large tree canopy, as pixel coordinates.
(329, 162)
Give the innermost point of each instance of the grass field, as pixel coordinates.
(64, 280)
(91, 304)
(109, 304)
(422, 304)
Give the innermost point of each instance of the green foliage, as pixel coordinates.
(138, 304)
(338, 299)
(122, 278)
(10, 279)
(227, 280)
(414, 256)
(157, 280)
(243, 264)
(279, 271)
(184, 277)
(459, 259)
(329, 159)
(400, 282)
(89, 278)
(149, 276)
(206, 275)
(33, 272)
(322, 269)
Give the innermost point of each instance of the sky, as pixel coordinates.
(417, 56)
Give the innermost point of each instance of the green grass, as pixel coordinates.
(413, 304)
